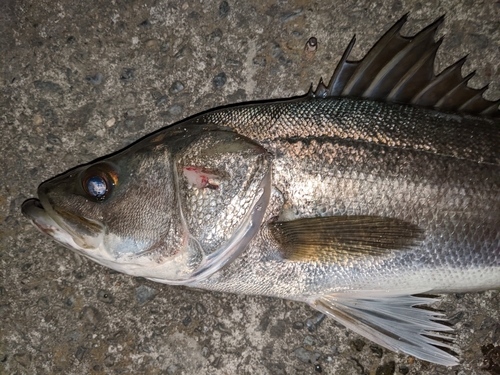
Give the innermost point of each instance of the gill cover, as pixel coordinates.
(223, 187)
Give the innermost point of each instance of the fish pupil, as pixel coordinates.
(96, 186)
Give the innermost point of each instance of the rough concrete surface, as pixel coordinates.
(81, 79)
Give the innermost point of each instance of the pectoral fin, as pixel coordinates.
(393, 322)
(335, 238)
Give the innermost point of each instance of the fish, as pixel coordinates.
(367, 198)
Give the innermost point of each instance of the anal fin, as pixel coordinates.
(393, 321)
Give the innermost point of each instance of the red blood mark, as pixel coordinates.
(199, 178)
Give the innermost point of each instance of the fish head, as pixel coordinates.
(174, 207)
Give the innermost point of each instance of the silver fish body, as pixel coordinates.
(356, 206)
(336, 157)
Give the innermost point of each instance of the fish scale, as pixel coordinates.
(387, 124)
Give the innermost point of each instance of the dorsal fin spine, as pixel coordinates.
(377, 48)
(450, 93)
(424, 38)
(492, 109)
(336, 74)
(478, 95)
(430, 55)
(438, 79)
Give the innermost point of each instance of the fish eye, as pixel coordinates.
(99, 180)
(96, 186)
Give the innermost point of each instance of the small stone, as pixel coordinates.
(220, 80)
(90, 314)
(176, 87)
(234, 62)
(194, 16)
(456, 318)
(309, 341)
(23, 358)
(176, 110)
(95, 80)
(238, 96)
(311, 48)
(80, 352)
(201, 309)
(43, 302)
(259, 61)
(73, 335)
(152, 43)
(276, 50)
(181, 53)
(37, 120)
(54, 139)
(358, 344)
(313, 323)
(109, 361)
(47, 86)
(278, 330)
(161, 100)
(377, 351)
(221, 327)
(165, 46)
(70, 301)
(172, 369)
(387, 368)
(4, 309)
(290, 16)
(224, 9)
(186, 321)
(144, 293)
(215, 36)
(306, 356)
(298, 325)
(105, 296)
(110, 122)
(127, 74)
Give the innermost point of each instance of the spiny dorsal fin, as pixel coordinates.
(401, 70)
(335, 239)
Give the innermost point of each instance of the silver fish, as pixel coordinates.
(358, 198)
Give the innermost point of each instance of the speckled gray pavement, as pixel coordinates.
(81, 79)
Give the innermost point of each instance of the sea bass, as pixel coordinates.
(358, 198)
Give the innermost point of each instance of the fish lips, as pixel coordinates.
(64, 227)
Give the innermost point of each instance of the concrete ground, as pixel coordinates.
(81, 79)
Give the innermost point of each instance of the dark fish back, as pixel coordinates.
(393, 125)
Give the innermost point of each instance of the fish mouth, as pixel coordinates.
(52, 223)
